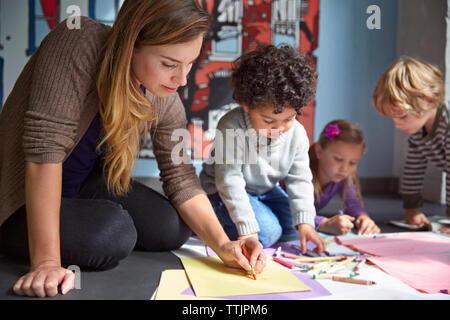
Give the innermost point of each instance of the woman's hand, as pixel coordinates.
(366, 225)
(232, 255)
(43, 281)
(338, 224)
(414, 216)
(307, 232)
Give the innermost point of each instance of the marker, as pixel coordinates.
(330, 276)
(326, 246)
(353, 280)
(339, 242)
(244, 251)
(277, 252)
(341, 264)
(309, 259)
(296, 264)
(320, 265)
(308, 253)
(284, 263)
(341, 213)
(312, 259)
(311, 253)
(360, 265)
(296, 247)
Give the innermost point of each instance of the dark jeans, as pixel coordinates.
(97, 230)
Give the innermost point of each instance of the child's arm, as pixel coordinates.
(338, 224)
(318, 220)
(300, 190)
(412, 184)
(354, 208)
(230, 182)
(366, 225)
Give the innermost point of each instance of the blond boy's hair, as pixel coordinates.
(408, 86)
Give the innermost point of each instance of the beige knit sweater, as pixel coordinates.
(52, 104)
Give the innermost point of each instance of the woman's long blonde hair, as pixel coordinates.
(125, 112)
(349, 133)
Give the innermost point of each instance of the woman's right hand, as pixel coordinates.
(44, 280)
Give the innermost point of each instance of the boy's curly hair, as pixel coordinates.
(270, 76)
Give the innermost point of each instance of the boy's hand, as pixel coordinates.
(338, 224)
(366, 225)
(414, 216)
(306, 233)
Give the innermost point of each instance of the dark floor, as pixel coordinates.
(137, 276)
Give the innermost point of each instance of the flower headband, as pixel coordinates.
(332, 131)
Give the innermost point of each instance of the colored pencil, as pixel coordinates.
(353, 280)
(244, 251)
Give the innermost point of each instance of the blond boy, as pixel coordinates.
(411, 93)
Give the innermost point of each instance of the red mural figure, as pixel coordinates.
(50, 9)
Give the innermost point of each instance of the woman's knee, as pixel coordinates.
(170, 233)
(106, 237)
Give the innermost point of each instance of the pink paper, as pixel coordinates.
(408, 243)
(421, 261)
(429, 273)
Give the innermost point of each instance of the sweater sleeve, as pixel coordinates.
(413, 177)
(170, 141)
(230, 182)
(317, 221)
(299, 184)
(447, 170)
(352, 203)
(66, 65)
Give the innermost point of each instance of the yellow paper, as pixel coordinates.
(172, 284)
(211, 278)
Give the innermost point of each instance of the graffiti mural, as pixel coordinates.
(43, 17)
(239, 26)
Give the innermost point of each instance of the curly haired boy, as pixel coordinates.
(271, 85)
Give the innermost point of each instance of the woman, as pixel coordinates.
(72, 126)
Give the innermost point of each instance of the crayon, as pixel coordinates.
(244, 251)
(284, 263)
